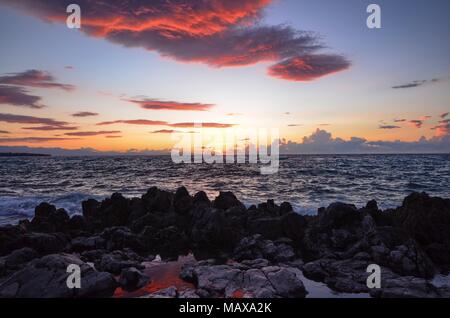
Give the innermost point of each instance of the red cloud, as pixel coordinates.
(218, 33)
(308, 67)
(154, 104)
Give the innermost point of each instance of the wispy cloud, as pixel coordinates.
(4, 132)
(145, 122)
(51, 128)
(418, 123)
(34, 78)
(204, 125)
(33, 139)
(388, 127)
(155, 104)
(18, 96)
(84, 114)
(165, 131)
(21, 119)
(218, 33)
(399, 120)
(417, 83)
(444, 115)
(295, 125)
(93, 133)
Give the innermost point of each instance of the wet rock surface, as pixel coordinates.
(261, 251)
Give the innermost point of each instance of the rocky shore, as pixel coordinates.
(261, 251)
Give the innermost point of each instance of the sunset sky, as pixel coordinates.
(136, 72)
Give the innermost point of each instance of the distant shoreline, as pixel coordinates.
(22, 154)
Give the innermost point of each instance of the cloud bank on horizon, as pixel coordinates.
(218, 33)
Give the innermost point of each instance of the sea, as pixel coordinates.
(306, 181)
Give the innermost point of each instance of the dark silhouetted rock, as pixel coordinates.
(255, 247)
(227, 200)
(17, 259)
(132, 279)
(81, 244)
(47, 219)
(201, 198)
(157, 200)
(46, 278)
(427, 220)
(182, 201)
(116, 261)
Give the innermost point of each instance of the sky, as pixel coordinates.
(134, 73)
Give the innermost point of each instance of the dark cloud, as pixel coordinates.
(399, 120)
(135, 122)
(218, 33)
(388, 127)
(308, 67)
(33, 139)
(155, 104)
(34, 78)
(92, 133)
(165, 131)
(84, 114)
(4, 132)
(51, 128)
(444, 115)
(18, 96)
(20, 119)
(418, 123)
(417, 83)
(322, 142)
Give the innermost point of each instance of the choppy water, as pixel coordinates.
(307, 181)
